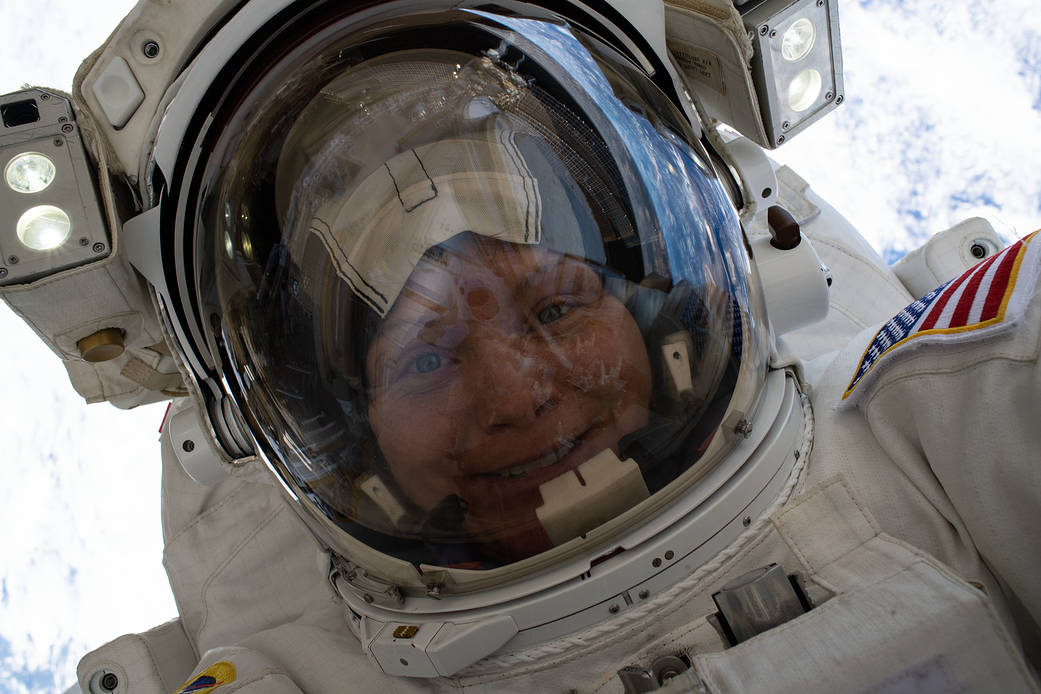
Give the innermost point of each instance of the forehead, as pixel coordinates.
(467, 262)
(451, 271)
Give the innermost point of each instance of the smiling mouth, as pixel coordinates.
(560, 450)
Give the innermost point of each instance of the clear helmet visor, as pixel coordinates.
(479, 303)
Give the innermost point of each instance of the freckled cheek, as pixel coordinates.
(633, 377)
(611, 358)
(413, 441)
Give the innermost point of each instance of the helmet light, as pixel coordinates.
(47, 191)
(43, 228)
(804, 90)
(797, 65)
(798, 40)
(30, 172)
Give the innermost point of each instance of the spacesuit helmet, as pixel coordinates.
(477, 284)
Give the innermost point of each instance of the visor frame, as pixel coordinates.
(215, 373)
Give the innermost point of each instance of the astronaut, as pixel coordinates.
(500, 363)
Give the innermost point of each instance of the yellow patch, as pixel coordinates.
(209, 679)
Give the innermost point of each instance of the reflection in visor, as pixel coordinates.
(477, 294)
(515, 369)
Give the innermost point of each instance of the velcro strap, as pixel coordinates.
(144, 375)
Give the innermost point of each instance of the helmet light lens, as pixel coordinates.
(44, 227)
(798, 40)
(804, 90)
(30, 172)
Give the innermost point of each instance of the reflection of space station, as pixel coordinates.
(504, 358)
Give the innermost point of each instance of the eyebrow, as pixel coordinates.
(400, 330)
(565, 268)
(405, 327)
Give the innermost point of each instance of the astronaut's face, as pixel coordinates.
(502, 366)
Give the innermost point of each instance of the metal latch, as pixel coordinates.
(345, 575)
(668, 673)
(758, 601)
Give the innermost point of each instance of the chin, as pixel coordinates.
(518, 543)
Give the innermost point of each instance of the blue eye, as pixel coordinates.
(551, 313)
(425, 363)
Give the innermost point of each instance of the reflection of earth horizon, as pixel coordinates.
(942, 110)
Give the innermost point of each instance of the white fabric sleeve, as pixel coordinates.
(968, 408)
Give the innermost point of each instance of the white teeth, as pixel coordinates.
(551, 458)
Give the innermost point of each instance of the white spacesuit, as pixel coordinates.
(500, 364)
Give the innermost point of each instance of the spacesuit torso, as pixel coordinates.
(908, 514)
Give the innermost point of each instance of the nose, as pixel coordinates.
(510, 387)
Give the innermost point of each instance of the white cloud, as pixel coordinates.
(940, 123)
(81, 545)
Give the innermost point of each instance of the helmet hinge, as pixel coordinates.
(344, 576)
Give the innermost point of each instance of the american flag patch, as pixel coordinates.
(981, 301)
